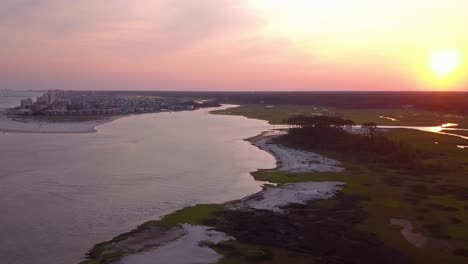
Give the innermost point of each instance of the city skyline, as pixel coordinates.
(359, 45)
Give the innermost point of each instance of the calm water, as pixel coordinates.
(13, 98)
(449, 127)
(62, 193)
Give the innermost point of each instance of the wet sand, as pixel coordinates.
(274, 198)
(292, 160)
(27, 125)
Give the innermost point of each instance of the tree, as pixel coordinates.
(369, 128)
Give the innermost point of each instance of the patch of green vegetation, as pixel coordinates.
(104, 254)
(450, 213)
(111, 256)
(98, 250)
(388, 203)
(277, 114)
(232, 251)
(195, 215)
(405, 117)
(90, 261)
(330, 203)
(392, 197)
(235, 252)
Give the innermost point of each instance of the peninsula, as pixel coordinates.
(59, 111)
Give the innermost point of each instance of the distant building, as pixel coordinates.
(42, 100)
(50, 97)
(62, 103)
(38, 107)
(26, 103)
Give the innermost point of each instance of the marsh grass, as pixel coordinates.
(435, 200)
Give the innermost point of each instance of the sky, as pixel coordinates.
(234, 45)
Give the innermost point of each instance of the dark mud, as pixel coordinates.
(328, 235)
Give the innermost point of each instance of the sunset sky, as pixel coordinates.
(234, 44)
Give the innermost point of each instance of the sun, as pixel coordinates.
(444, 63)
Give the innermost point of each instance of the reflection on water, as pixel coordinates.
(449, 125)
(442, 129)
(445, 127)
(11, 98)
(462, 147)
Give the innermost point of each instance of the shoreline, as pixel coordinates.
(18, 131)
(289, 193)
(8, 125)
(271, 198)
(265, 135)
(292, 160)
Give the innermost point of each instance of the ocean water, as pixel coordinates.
(62, 193)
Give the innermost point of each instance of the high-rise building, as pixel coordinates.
(52, 97)
(41, 100)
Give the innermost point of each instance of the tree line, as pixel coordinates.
(364, 142)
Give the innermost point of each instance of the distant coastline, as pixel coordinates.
(47, 125)
(31, 126)
(59, 111)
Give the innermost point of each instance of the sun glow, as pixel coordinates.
(445, 63)
(296, 18)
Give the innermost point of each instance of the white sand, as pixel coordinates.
(291, 160)
(185, 250)
(25, 125)
(298, 161)
(273, 198)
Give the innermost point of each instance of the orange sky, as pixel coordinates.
(231, 44)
